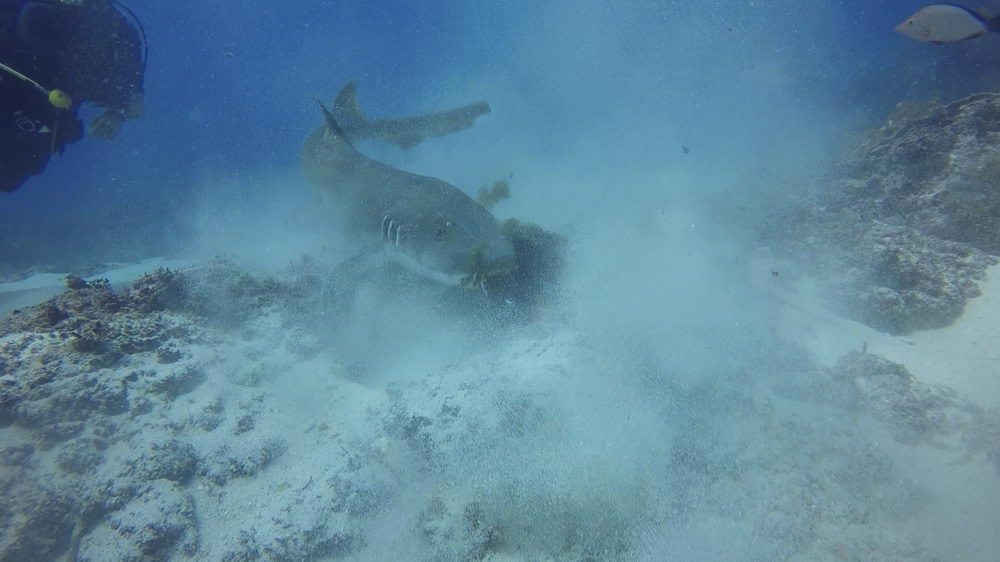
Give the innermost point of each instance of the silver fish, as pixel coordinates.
(946, 23)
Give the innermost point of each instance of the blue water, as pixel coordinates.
(231, 89)
(609, 117)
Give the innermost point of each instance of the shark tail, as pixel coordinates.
(349, 115)
(404, 132)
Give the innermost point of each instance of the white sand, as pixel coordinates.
(961, 524)
(41, 286)
(326, 417)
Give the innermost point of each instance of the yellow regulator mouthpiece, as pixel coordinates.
(60, 99)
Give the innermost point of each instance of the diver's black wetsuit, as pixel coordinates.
(85, 48)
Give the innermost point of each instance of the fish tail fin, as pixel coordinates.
(405, 140)
(436, 124)
(350, 118)
(404, 132)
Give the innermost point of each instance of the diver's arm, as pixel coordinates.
(127, 68)
(124, 100)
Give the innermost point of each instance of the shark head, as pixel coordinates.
(458, 243)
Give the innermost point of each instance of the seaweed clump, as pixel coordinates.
(488, 198)
(540, 258)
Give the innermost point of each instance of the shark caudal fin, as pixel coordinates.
(405, 132)
(348, 114)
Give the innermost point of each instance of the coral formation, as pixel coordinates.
(900, 235)
(914, 411)
(113, 384)
(84, 383)
(140, 458)
(935, 168)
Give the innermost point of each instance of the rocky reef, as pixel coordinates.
(126, 412)
(902, 231)
(199, 415)
(96, 459)
(935, 168)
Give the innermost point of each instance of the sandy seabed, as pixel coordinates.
(140, 429)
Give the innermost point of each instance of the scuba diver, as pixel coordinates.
(54, 56)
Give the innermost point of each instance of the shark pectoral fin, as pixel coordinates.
(359, 266)
(342, 283)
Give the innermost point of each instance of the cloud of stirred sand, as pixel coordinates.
(629, 129)
(594, 126)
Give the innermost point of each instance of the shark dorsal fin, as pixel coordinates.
(332, 126)
(346, 109)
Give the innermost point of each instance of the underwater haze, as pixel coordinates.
(595, 90)
(711, 375)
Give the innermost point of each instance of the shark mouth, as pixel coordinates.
(482, 270)
(391, 231)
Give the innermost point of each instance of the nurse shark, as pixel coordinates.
(424, 223)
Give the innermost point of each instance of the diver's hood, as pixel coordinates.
(43, 26)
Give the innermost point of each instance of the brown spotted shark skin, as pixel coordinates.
(428, 225)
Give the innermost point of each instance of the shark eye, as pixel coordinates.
(442, 229)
